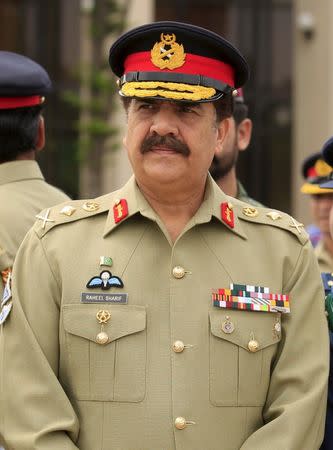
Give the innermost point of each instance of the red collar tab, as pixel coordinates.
(120, 210)
(20, 102)
(227, 214)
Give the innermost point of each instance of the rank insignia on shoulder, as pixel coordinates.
(105, 280)
(227, 214)
(250, 298)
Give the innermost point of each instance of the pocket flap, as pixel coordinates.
(81, 320)
(265, 328)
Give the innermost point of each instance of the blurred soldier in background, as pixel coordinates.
(23, 190)
(223, 168)
(315, 171)
(327, 155)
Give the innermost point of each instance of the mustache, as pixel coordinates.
(164, 141)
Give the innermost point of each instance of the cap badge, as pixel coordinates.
(168, 54)
(227, 214)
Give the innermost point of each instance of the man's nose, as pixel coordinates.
(164, 123)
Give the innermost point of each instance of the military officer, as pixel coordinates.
(166, 315)
(315, 170)
(23, 190)
(327, 155)
(223, 168)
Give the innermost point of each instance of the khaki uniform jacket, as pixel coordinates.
(23, 194)
(60, 389)
(325, 259)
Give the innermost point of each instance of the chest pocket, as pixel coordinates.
(239, 376)
(114, 371)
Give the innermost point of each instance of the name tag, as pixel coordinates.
(88, 297)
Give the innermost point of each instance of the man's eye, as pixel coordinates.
(145, 106)
(188, 109)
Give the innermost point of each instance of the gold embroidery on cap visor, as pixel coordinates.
(174, 91)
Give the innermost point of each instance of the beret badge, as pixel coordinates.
(168, 54)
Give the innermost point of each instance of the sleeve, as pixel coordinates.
(294, 413)
(35, 412)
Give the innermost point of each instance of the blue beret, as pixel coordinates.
(176, 61)
(23, 82)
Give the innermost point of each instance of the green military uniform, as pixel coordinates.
(23, 194)
(324, 257)
(151, 364)
(244, 196)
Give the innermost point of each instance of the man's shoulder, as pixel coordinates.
(71, 211)
(262, 216)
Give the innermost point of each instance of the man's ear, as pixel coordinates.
(222, 131)
(244, 132)
(40, 143)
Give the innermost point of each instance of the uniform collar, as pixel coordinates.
(137, 203)
(19, 170)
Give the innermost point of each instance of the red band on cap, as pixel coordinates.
(194, 65)
(19, 102)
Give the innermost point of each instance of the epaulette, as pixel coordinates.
(272, 217)
(70, 211)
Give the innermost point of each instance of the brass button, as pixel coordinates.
(102, 338)
(178, 346)
(178, 272)
(180, 423)
(253, 346)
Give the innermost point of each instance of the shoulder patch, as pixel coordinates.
(70, 211)
(272, 217)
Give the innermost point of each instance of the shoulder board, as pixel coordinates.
(271, 217)
(70, 211)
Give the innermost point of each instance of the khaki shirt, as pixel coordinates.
(23, 194)
(325, 259)
(61, 389)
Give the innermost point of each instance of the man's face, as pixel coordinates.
(320, 206)
(237, 139)
(170, 141)
(229, 153)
